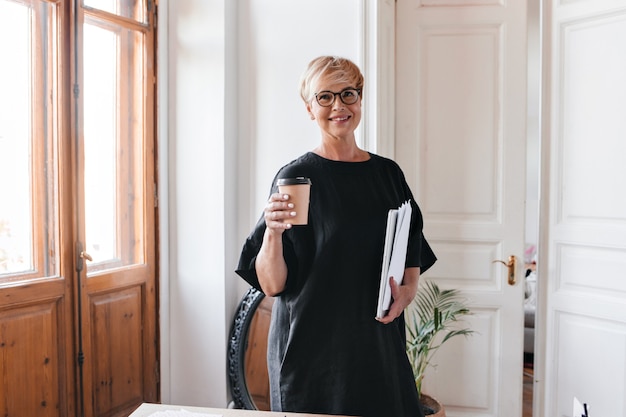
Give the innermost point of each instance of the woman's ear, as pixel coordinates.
(308, 109)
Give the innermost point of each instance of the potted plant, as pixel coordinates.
(433, 318)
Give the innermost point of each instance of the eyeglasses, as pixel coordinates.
(347, 95)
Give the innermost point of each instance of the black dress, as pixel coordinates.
(326, 352)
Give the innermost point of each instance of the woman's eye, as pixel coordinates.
(324, 96)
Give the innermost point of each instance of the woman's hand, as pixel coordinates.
(402, 295)
(270, 264)
(277, 210)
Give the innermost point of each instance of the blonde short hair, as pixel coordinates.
(336, 69)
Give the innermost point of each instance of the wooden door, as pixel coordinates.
(37, 348)
(582, 263)
(77, 183)
(117, 308)
(460, 137)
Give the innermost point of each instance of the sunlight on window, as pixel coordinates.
(111, 115)
(133, 9)
(16, 253)
(101, 132)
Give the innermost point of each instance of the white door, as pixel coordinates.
(582, 265)
(461, 140)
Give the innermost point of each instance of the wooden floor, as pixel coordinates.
(528, 391)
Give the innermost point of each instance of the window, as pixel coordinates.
(28, 140)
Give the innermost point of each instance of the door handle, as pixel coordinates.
(81, 256)
(511, 265)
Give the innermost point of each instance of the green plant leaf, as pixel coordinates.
(432, 314)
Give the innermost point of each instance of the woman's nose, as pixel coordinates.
(338, 104)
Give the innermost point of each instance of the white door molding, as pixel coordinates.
(379, 69)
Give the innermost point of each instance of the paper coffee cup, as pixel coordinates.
(299, 190)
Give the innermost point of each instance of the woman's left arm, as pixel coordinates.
(403, 294)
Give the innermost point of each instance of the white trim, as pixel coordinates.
(379, 70)
(163, 134)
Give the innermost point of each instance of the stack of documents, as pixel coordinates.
(394, 255)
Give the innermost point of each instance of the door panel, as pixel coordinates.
(33, 358)
(36, 322)
(118, 368)
(460, 138)
(584, 258)
(118, 293)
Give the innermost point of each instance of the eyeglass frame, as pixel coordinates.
(358, 91)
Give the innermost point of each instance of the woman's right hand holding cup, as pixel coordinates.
(277, 210)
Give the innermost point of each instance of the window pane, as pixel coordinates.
(132, 9)
(15, 121)
(113, 141)
(27, 200)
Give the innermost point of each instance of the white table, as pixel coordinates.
(147, 409)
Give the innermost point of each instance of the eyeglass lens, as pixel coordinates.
(347, 96)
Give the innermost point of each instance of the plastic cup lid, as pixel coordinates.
(293, 181)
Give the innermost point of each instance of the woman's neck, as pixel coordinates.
(344, 153)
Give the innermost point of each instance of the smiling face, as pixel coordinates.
(338, 120)
(332, 75)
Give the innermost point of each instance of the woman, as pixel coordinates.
(327, 353)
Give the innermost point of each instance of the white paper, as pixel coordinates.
(392, 216)
(181, 413)
(578, 409)
(394, 255)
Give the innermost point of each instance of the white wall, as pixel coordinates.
(278, 38)
(229, 117)
(533, 125)
(192, 193)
